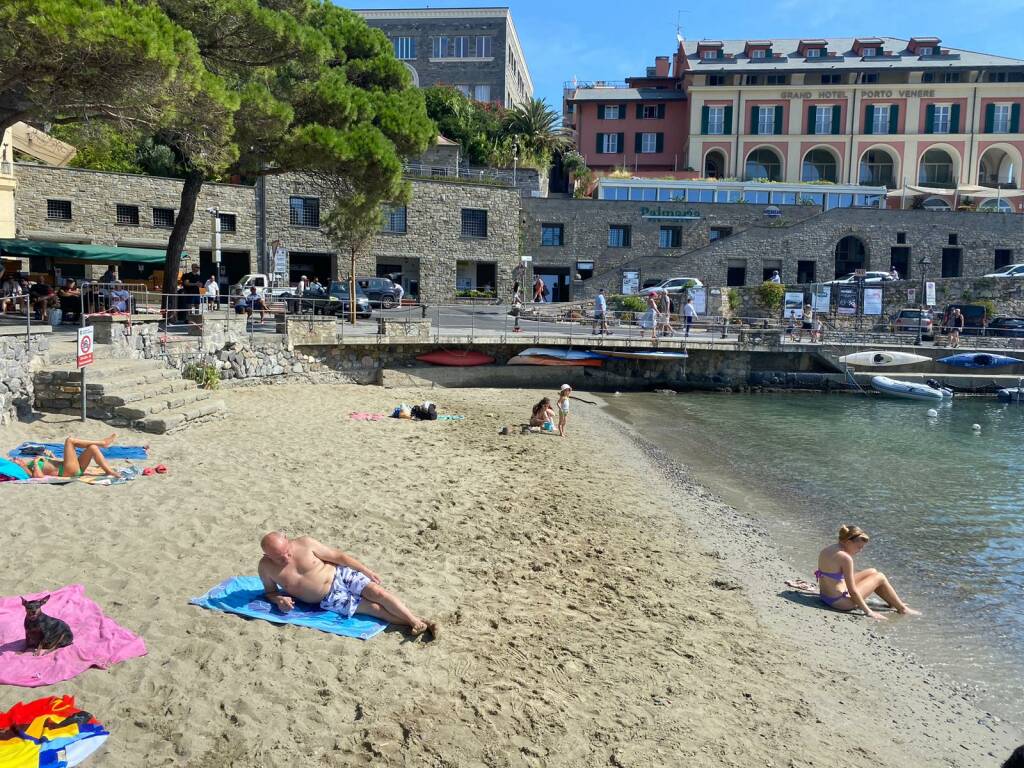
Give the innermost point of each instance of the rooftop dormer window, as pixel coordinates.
(709, 54)
(870, 52)
(925, 51)
(814, 53)
(758, 53)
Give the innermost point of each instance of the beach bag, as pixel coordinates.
(56, 317)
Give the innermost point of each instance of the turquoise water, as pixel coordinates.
(942, 502)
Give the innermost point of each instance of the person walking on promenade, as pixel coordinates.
(689, 312)
(538, 290)
(652, 314)
(212, 291)
(304, 569)
(956, 325)
(807, 323)
(563, 407)
(842, 588)
(517, 307)
(665, 307)
(600, 314)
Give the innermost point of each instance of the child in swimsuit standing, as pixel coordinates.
(563, 407)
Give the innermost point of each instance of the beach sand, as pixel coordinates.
(596, 606)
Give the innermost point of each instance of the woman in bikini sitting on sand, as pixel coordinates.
(73, 464)
(842, 588)
(543, 415)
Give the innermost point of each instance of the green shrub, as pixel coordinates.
(733, 295)
(473, 294)
(770, 296)
(206, 376)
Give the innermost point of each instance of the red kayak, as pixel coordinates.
(455, 357)
(592, 362)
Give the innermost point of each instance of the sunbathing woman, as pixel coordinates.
(843, 589)
(543, 415)
(73, 464)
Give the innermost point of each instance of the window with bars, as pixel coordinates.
(304, 211)
(618, 236)
(58, 209)
(405, 48)
(474, 222)
(228, 222)
(552, 234)
(483, 46)
(128, 215)
(395, 219)
(670, 237)
(440, 48)
(163, 217)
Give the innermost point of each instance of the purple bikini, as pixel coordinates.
(837, 577)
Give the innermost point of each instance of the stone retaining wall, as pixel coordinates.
(19, 355)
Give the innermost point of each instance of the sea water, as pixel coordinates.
(942, 500)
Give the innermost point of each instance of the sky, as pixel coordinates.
(601, 40)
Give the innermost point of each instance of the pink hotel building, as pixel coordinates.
(937, 126)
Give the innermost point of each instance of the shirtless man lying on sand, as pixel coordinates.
(306, 570)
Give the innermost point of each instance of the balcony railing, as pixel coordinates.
(571, 85)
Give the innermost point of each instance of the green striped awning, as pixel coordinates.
(103, 254)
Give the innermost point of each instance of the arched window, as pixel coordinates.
(714, 164)
(996, 204)
(877, 169)
(996, 169)
(764, 163)
(850, 255)
(935, 204)
(819, 165)
(937, 169)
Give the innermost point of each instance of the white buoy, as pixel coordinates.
(932, 413)
(976, 427)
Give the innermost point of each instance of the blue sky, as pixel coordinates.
(598, 40)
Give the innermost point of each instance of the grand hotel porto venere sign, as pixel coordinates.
(669, 213)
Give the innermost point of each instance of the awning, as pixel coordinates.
(104, 254)
(972, 190)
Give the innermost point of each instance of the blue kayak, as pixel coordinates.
(561, 354)
(980, 360)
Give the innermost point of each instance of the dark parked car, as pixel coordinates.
(379, 290)
(333, 301)
(1012, 327)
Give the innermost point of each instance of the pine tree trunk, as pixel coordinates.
(176, 242)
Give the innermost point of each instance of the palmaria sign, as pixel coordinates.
(669, 213)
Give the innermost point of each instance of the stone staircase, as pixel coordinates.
(143, 394)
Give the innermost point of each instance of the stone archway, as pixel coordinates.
(851, 254)
(714, 164)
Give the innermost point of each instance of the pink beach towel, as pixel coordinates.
(99, 641)
(356, 415)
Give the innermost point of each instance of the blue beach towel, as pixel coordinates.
(450, 417)
(244, 595)
(113, 453)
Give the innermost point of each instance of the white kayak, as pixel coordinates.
(882, 359)
(909, 390)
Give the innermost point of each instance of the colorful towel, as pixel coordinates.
(50, 732)
(99, 641)
(357, 416)
(113, 453)
(244, 595)
(125, 475)
(449, 417)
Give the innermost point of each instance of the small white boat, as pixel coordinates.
(882, 359)
(908, 390)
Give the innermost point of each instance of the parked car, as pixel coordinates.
(333, 301)
(379, 290)
(869, 277)
(975, 318)
(909, 320)
(1010, 270)
(673, 285)
(1012, 327)
(267, 286)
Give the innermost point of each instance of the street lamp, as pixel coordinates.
(923, 264)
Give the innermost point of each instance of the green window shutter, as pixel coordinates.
(704, 111)
(622, 142)
(660, 143)
(990, 117)
(727, 121)
(810, 120)
(869, 118)
(661, 111)
(753, 120)
(600, 111)
(638, 142)
(837, 117)
(639, 111)
(622, 111)
(954, 119)
(600, 143)
(778, 121)
(1015, 118)
(929, 119)
(894, 118)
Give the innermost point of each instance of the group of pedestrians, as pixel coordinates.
(659, 314)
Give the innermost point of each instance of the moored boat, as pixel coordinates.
(908, 390)
(643, 354)
(455, 357)
(980, 360)
(882, 359)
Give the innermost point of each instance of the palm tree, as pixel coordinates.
(536, 131)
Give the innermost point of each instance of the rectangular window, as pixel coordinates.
(951, 77)
(758, 53)
(1003, 258)
(924, 51)
(717, 233)
(648, 143)
(869, 53)
(611, 111)
(901, 238)
(753, 80)
(483, 46)
(650, 112)
(814, 53)
(163, 217)
(228, 222)
(716, 121)
(765, 121)
(670, 237)
(805, 271)
(440, 50)
(552, 235)
(405, 48)
(304, 211)
(395, 219)
(776, 80)
(58, 209)
(822, 120)
(869, 77)
(128, 214)
(465, 90)
(880, 119)
(716, 79)
(941, 122)
(709, 55)
(610, 143)
(482, 92)
(928, 77)
(831, 79)
(461, 47)
(953, 239)
(474, 222)
(1001, 118)
(618, 236)
(951, 262)
(736, 272)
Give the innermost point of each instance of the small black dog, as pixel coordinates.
(44, 633)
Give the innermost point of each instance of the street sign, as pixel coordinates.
(526, 258)
(280, 260)
(85, 341)
(929, 292)
(860, 272)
